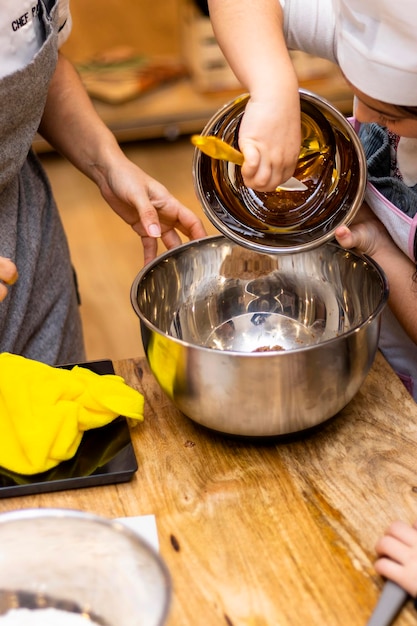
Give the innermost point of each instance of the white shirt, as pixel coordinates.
(21, 34)
(312, 28)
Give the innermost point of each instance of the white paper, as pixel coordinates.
(145, 526)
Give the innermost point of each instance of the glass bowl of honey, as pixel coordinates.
(331, 168)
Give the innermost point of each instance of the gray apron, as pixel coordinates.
(39, 318)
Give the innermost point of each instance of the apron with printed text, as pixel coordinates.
(39, 317)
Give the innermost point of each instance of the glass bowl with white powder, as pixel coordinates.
(69, 568)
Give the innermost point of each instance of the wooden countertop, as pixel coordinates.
(267, 533)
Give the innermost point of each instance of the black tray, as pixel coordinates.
(111, 443)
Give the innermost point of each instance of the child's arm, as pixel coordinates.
(251, 37)
(370, 236)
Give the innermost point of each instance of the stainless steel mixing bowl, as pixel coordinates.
(258, 344)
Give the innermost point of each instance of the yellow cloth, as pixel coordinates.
(45, 410)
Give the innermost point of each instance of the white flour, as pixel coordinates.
(43, 617)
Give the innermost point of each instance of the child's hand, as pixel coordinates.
(8, 275)
(270, 139)
(366, 233)
(369, 236)
(397, 551)
(270, 130)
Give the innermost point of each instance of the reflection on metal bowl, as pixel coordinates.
(331, 166)
(259, 344)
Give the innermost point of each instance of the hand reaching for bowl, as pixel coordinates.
(8, 275)
(369, 236)
(144, 203)
(366, 233)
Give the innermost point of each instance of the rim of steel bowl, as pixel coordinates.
(268, 354)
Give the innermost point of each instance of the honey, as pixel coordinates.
(330, 165)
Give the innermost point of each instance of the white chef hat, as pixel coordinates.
(377, 48)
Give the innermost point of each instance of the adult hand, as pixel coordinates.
(8, 275)
(147, 206)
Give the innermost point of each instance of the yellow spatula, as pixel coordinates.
(216, 148)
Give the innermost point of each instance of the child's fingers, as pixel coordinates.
(8, 276)
(8, 271)
(404, 532)
(393, 548)
(344, 237)
(397, 573)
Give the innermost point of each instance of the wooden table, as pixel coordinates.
(271, 533)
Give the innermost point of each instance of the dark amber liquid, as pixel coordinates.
(327, 166)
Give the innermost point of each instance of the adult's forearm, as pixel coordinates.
(71, 125)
